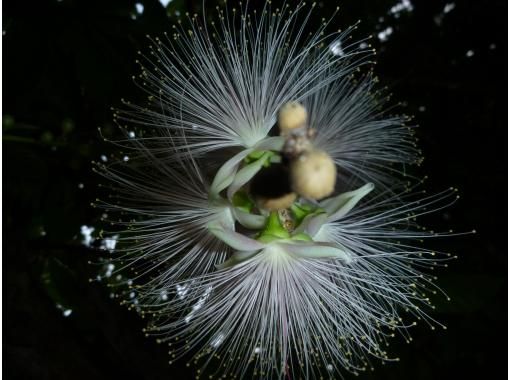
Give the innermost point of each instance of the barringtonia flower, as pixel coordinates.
(218, 87)
(325, 296)
(165, 210)
(230, 258)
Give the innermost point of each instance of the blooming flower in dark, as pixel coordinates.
(260, 207)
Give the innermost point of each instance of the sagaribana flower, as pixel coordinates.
(259, 203)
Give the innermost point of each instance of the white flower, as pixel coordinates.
(168, 211)
(221, 86)
(313, 288)
(286, 305)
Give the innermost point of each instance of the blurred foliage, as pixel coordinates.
(66, 62)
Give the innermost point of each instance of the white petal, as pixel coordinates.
(227, 172)
(312, 223)
(248, 220)
(317, 250)
(271, 143)
(234, 239)
(244, 175)
(337, 207)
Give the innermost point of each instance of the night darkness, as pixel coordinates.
(67, 62)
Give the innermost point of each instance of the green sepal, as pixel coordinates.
(301, 211)
(255, 155)
(273, 229)
(242, 200)
(301, 236)
(271, 157)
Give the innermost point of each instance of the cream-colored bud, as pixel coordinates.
(313, 174)
(279, 203)
(292, 115)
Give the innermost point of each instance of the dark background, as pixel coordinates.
(66, 62)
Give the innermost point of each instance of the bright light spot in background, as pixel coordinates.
(131, 134)
(182, 290)
(470, 53)
(422, 108)
(109, 243)
(104, 158)
(336, 48)
(448, 7)
(139, 8)
(198, 305)
(87, 235)
(403, 5)
(81, 186)
(384, 34)
(126, 158)
(65, 312)
(165, 2)
(109, 270)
